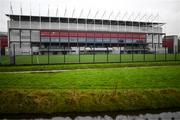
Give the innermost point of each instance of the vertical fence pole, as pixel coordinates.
(165, 54)
(60, 47)
(158, 40)
(32, 62)
(144, 52)
(175, 53)
(9, 44)
(145, 45)
(31, 48)
(132, 48)
(0, 53)
(120, 54)
(14, 54)
(79, 54)
(48, 54)
(49, 47)
(107, 54)
(20, 37)
(94, 52)
(64, 54)
(155, 53)
(152, 40)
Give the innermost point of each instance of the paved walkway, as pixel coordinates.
(38, 71)
(56, 71)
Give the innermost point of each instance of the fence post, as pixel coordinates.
(144, 52)
(107, 54)
(79, 54)
(155, 53)
(0, 53)
(32, 55)
(165, 54)
(64, 54)
(175, 53)
(12, 55)
(120, 54)
(94, 54)
(48, 54)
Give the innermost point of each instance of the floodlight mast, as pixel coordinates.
(11, 9)
(20, 15)
(20, 21)
(9, 25)
(30, 15)
(39, 17)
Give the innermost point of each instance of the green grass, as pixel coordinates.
(43, 59)
(90, 90)
(84, 66)
(124, 78)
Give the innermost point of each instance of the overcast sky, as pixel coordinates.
(168, 10)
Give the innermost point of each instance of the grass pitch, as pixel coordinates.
(91, 90)
(105, 87)
(97, 58)
(110, 78)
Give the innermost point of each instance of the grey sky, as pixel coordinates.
(169, 10)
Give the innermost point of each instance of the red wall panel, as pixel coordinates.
(168, 43)
(3, 41)
(136, 36)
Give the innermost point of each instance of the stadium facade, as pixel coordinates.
(171, 43)
(62, 35)
(3, 43)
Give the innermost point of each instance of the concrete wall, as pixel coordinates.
(81, 27)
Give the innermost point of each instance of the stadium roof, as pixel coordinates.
(81, 20)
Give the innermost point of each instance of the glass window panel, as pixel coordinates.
(14, 35)
(35, 36)
(25, 35)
